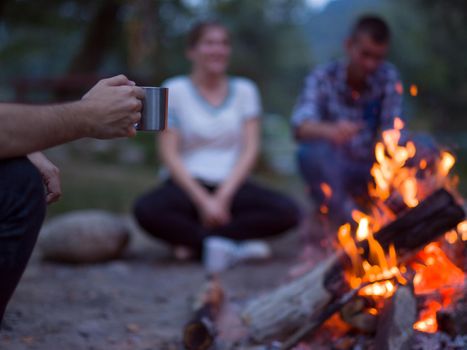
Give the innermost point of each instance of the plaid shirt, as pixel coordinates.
(327, 97)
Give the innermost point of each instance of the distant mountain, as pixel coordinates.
(328, 28)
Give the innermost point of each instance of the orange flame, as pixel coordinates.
(376, 267)
(451, 237)
(398, 123)
(427, 322)
(413, 90)
(389, 171)
(446, 163)
(462, 229)
(436, 275)
(423, 164)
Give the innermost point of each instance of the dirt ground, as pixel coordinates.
(139, 302)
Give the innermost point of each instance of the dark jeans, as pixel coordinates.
(321, 162)
(22, 211)
(168, 213)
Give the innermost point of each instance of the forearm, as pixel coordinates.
(27, 128)
(312, 130)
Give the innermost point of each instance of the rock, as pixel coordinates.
(84, 237)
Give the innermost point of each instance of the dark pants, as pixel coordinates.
(321, 162)
(22, 211)
(168, 213)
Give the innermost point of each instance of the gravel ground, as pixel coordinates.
(139, 302)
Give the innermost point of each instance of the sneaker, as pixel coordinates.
(219, 254)
(253, 250)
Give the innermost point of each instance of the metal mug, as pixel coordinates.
(154, 110)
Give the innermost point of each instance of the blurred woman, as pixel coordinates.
(211, 144)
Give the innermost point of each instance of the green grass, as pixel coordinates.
(114, 187)
(111, 187)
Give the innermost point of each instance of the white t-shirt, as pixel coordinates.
(211, 137)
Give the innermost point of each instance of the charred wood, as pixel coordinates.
(200, 332)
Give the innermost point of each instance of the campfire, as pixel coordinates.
(392, 272)
(396, 176)
(398, 268)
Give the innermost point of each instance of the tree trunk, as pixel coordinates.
(95, 45)
(97, 40)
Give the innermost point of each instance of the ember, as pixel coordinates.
(327, 191)
(436, 275)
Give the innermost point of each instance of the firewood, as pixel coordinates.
(395, 329)
(313, 324)
(280, 312)
(421, 225)
(200, 332)
(356, 314)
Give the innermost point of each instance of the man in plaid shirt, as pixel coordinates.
(340, 114)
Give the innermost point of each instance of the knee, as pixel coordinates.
(23, 196)
(141, 212)
(289, 213)
(22, 210)
(148, 212)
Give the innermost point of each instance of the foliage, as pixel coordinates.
(444, 67)
(145, 40)
(47, 38)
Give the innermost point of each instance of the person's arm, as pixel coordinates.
(108, 110)
(245, 163)
(307, 119)
(50, 174)
(336, 132)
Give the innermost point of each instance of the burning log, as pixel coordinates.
(281, 312)
(317, 321)
(286, 308)
(395, 329)
(199, 333)
(359, 313)
(423, 224)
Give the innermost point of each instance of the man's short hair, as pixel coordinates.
(374, 26)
